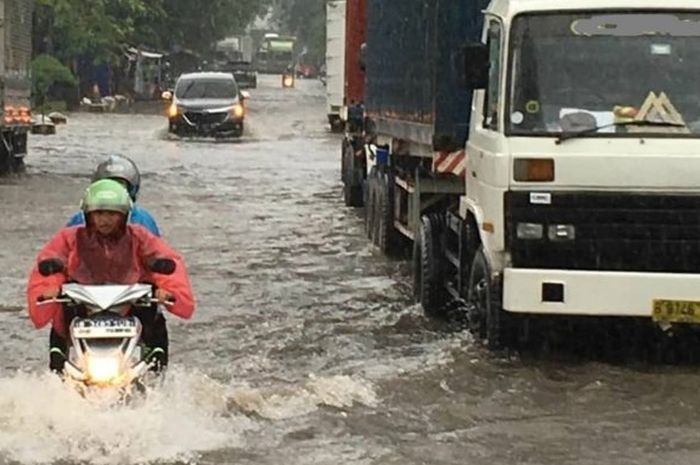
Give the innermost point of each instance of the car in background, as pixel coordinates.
(207, 104)
(243, 72)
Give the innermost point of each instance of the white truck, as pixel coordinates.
(574, 188)
(335, 62)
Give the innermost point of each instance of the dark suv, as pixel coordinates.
(207, 104)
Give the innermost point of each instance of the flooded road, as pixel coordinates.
(305, 347)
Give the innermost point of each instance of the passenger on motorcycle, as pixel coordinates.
(108, 250)
(124, 170)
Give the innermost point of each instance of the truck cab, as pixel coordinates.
(583, 177)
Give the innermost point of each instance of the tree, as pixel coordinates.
(96, 28)
(47, 71)
(306, 19)
(199, 25)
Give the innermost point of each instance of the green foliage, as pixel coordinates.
(47, 71)
(97, 28)
(306, 19)
(101, 28)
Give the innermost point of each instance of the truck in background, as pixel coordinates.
(275, 54)
(353, 160)
(552, 182)
(232, 55)
(15, 91)
(335, 62)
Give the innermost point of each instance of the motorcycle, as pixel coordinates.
(106, 350)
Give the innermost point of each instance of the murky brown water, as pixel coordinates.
(305, 347)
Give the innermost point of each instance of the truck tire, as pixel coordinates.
(352, 188)
(18, 165)
(427, 266)
(337, 125)
(386, 233)
(5, 164)
(369, 204)
(7, 159)
(344, 161)
(485, 296)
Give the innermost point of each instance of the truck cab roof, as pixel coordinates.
(510, 8)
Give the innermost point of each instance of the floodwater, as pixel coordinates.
(306, 347)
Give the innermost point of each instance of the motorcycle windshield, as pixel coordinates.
(106, 296)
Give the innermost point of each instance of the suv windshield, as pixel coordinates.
(569, 72)
(206, 88)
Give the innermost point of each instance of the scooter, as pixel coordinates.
(106, 350)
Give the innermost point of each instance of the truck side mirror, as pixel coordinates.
(476, 65)
(50, 266)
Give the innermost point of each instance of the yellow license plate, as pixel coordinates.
(676, 311)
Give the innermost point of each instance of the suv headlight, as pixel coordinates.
(173, 110)
(237, 111)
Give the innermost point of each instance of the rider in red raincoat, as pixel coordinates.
(108, 250)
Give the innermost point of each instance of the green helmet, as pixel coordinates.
(106, 194)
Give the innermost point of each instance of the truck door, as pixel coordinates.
(487, 162)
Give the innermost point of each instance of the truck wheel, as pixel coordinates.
(352, 189)
(6, 158)
(427, 266)
(336, 123)
(386, 233)
(344, 161)
(369, 204)
(5, 164)
(485, 296)
(18, 165)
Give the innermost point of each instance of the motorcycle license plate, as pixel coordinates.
(676, 311)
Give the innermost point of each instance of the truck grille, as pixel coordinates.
(613, 232)
(208, 119)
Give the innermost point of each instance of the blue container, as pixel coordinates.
(414, 68)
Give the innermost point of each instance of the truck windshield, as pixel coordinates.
(206, 88)
(588, 72)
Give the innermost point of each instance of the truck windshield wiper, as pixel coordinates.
(574, 134)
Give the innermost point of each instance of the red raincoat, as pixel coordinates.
(94, 259)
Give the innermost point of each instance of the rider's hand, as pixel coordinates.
(50, 293)
(164, 296)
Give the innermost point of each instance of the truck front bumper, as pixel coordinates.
(565, 292)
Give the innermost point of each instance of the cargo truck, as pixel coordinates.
(542, 157)
(15, 82)
(335, 62)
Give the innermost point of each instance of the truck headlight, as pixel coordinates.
(530, 231)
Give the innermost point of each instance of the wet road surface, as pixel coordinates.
(305, 347)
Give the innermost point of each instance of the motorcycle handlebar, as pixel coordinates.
(41, 300)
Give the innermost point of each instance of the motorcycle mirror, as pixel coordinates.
(166, 95)
(162, 265)
(245, 94)
(50, 266)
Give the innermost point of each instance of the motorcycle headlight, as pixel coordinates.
(237, 111)
(102, 370)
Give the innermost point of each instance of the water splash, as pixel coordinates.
(278, 403)
(43, 421)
